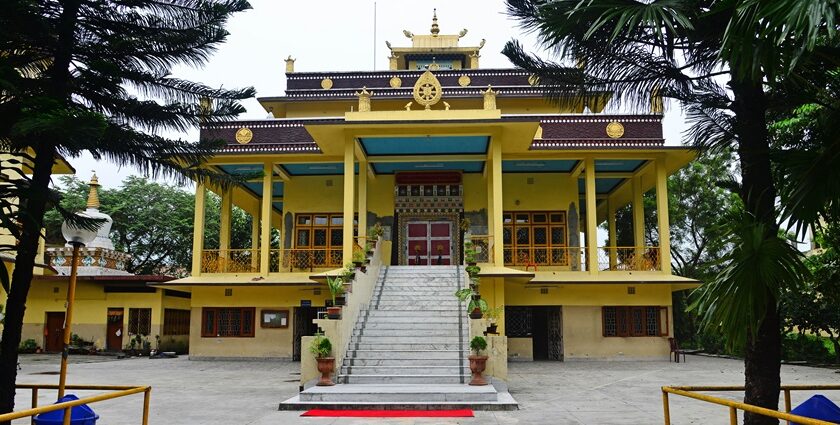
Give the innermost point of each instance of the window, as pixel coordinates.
(176, 322)
(227, 322)
(625, 321)
(139, 321)
(320, 237)
(538, 237)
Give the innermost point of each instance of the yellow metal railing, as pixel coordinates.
(230, 261)
(119, 391)
(529, 256)
(629, 258)
(304, 259)
(735, 406)
(483, 246)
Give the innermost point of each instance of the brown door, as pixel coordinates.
(114, 337)
(54, 332)
(429, 243)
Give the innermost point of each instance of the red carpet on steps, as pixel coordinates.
(462, 413)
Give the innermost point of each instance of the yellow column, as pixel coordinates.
(591, 216)
(349, 175)
(490, 213)
(224, 222)
(265, 219)
(499, 298)
(662, 215)
(363, 174)
(496, 174)
(638, 217)
(255, 241)
(612, 235)
(198, 229)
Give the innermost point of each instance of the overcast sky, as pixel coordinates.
(338, 35)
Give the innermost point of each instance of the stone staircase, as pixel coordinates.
(414, 331)
(408, 350)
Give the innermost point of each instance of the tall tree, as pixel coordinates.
(683, 50)
(95, 76)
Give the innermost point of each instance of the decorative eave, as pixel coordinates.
(557, 144)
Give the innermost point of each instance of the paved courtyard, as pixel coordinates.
(216, 392)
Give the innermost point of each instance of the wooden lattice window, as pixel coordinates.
(323, 235)
(139, 321)
(627, 321)
(535, 237)
(227, 322)
(176, 322)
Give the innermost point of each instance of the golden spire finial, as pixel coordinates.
(93, 195)
(435, 28)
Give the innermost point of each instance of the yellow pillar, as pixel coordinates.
(496, 239)
(363, 174)
(662, 215)
(224, 222)
(591, 216)
(638, 217)
(613, 243)
(255, 241)
(265, 219)
(198, 229)
(496, 174)
(349, 175)
(499, 301)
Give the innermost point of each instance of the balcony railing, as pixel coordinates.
(230, 261)
(304, 259)
(629, 258)
(572, 257)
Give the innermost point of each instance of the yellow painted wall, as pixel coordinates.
(520, 349)
(311, 194)
(268, 342)
(475, 192)
(91, 309)
(582, 338)
(589, 294)
(380, 200)
(550, 191)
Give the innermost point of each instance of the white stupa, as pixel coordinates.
(98, 258)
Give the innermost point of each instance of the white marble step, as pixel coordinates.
(400, 393)
(402, 339)
(445, 308)
(427, 352)
(407, 326)
(390, 362)
(402, 379)
(405, 370)
(414, 333)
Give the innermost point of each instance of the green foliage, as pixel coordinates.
(477, 303)
(495, 313)
(810, 348)
(376, 231)
(758, 268)
(464, 294)
(473, 270)
(469, 254)
(28, 346)
(335, 286)
(478, 344)
(320, 347)
(348, 273)
(358, 256)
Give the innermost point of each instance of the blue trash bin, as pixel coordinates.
(80, 415)
(818, 407)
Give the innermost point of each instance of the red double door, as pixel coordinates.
(429, 243)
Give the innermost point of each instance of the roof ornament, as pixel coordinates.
(462, 33)
(290, 65)
(489, 99)
(427, 90)
(408, 34)
(93, 195)
(364, 100)
(435, 28)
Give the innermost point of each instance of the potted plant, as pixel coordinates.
(349, 273)
(469, 254)
(336, 287)
(475, 304)
(478, 362)
(493, 315)
(376, 231)
(464, 225)
(359, 260)
(321, 348)
(473, 271)
(368, 250)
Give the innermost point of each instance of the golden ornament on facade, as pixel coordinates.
(533, 80)
(244, 135)
(326, 84)
(395, 82)
(464, 80)
(427, 91)
(615, 130)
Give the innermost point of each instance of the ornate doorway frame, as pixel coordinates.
(402, 224)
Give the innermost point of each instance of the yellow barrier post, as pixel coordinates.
(787, 402)
(666, 407)
(34, 402)
(119, 391)
(733, 416)
(146, 396)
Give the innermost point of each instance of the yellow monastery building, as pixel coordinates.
(438, 150)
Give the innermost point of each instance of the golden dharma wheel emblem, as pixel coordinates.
(427, 91)
(464, 80)
(615, 130)
(326, 84)
(244, 135)
(533, 80)
(395, 82)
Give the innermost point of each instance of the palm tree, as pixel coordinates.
(719, 59)
(85, 76)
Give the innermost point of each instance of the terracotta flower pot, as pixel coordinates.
(334, 312)
(476, 313)
(477, 366)
(326, 365)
